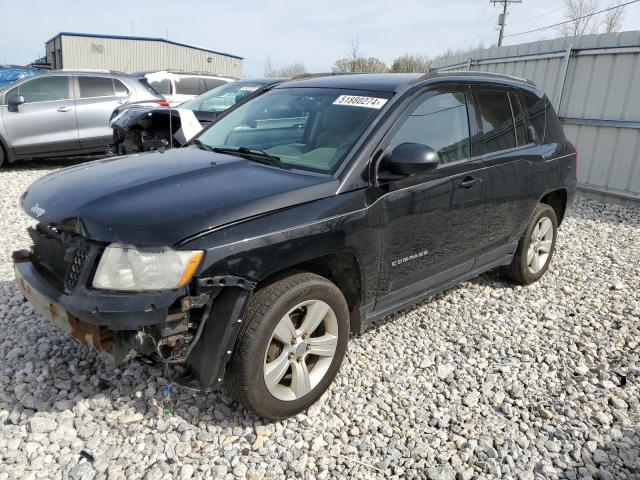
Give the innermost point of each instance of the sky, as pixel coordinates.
(315, 33)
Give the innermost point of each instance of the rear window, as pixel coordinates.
(188, 86)
(95, 87)
(497, 120)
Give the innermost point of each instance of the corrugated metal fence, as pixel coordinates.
(592, 82)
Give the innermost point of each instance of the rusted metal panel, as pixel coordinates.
(96, 336)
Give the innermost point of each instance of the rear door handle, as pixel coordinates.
(65, 109)
(468, 182)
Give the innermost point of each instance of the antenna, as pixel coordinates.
(166, 49)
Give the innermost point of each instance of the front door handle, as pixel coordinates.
(469, 181)
(65, 109)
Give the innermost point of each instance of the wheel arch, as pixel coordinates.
(6, 151)
(343, 269)
(557, 199)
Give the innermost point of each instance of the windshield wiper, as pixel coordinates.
(203, 146)
(253, 154)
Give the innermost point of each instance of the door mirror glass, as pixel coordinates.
(13, 101)
(412, 158)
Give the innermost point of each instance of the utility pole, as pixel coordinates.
(502, 19)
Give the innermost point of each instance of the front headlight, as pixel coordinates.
(123, 267)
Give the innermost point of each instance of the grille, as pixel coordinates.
(73, 274)
(59, 256)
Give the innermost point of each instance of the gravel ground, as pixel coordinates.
(485, 381)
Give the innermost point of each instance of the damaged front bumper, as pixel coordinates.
(196, 330)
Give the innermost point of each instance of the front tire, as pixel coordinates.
(535, 248)
(290, 347)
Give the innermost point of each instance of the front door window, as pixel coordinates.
(43, 89)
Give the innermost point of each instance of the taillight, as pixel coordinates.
(162, 103)
(577, 162)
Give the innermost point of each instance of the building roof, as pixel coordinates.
(391, 82)
(148, 39)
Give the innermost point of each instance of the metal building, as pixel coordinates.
(592, 82)
(133, 54)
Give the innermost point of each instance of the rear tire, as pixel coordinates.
(290, 346)
(535, 248)
(2, 156)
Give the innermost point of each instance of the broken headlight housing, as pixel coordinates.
(123, 267)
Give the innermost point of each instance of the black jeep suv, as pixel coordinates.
(297, 217)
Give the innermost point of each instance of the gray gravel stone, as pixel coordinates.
(487, 380)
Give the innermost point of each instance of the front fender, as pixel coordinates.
(271, 243)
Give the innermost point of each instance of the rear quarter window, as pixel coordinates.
(536, 110)
(553, 131)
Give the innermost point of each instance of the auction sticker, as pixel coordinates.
(357, 101)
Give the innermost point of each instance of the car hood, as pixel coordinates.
(160, 198)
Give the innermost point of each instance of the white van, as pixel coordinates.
(178, 86)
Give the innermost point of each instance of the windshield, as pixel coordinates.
(223, 97)
(307, 128)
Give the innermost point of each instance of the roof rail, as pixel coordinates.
(467, 73)
(89, 70)
(321, 74)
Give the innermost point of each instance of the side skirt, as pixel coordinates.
(389, 309)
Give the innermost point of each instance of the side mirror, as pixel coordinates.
(413, 158)
(13, 101)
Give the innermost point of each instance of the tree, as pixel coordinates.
(411, 64)
(359, 65)
(354, 62)
(288, 71)
(613, 19)
(580, 18)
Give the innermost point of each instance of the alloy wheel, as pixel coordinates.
(300, 350)
(540, 245)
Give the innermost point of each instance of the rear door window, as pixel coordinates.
(497, 120)
(188, 86)
(95, 87)
(44, 89)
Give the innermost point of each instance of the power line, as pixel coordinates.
(573, 19)
(472, 29)
(482, 30)
(503, 16)
(525, 20)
